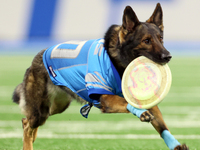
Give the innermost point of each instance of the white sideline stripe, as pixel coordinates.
(124, 124)
(82, 127)
(98, 136)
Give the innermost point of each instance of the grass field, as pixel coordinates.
(70, 131)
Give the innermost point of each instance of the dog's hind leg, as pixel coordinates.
(25, 125)
(34, 101)
(29, 135)
(30, 125)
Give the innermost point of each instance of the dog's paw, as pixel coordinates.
(181, 147)
(146, 116)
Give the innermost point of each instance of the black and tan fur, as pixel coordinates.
(39, 98)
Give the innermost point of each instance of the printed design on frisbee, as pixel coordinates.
(145, 83)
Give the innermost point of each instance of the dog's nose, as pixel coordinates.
(166, 57)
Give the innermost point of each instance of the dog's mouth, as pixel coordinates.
(162, 59)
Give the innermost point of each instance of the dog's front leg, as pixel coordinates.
(159, 124)
(113, 104)
(117, 104)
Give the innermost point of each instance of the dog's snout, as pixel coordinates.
(166, 57)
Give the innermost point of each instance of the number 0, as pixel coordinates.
(67, 53)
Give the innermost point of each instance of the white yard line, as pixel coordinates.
(96, 136)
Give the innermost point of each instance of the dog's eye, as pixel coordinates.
(147, 41)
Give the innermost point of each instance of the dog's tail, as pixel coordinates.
(16, 93)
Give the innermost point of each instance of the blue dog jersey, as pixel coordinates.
(84, 67)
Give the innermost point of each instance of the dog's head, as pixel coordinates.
(135, 38)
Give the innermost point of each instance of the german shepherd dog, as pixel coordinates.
(39, 98)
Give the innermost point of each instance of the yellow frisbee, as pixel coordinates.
(145, 83)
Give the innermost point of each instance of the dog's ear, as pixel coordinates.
(130, 20)
(157, 17)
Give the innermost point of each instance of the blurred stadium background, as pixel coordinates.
(25, 22)
(28, 26)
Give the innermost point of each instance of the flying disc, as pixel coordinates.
(145, 83)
